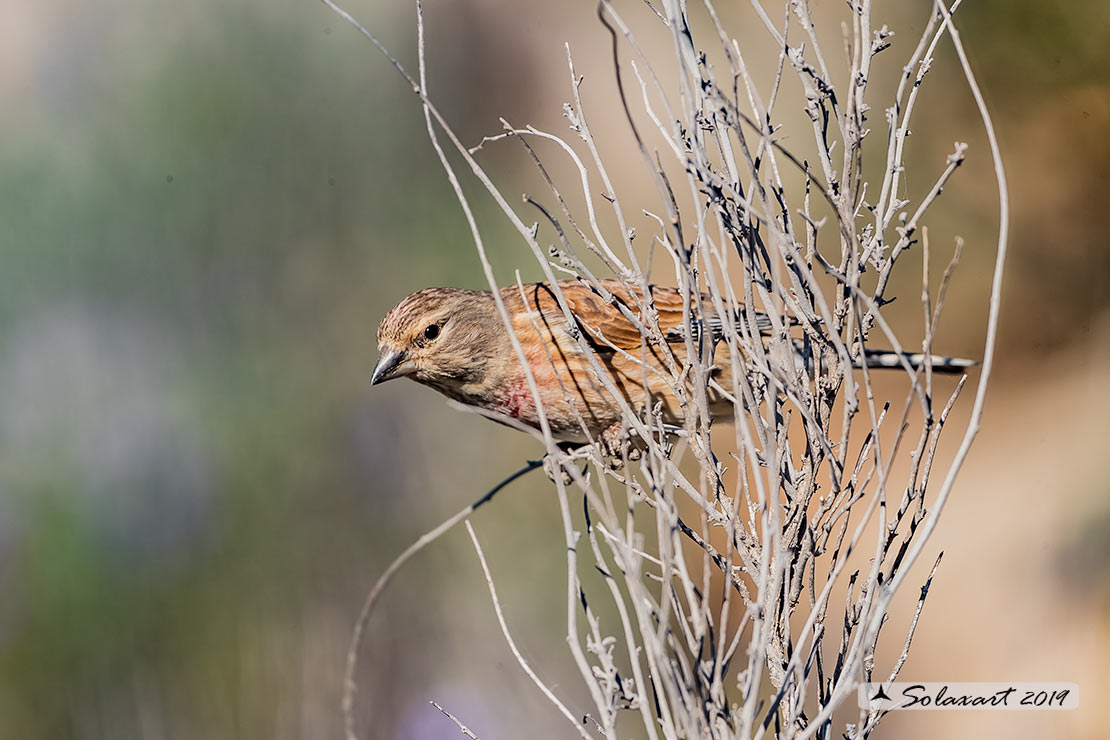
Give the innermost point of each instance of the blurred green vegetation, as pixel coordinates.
(205, 211)
(202, 225)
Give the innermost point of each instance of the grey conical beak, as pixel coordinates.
(392, 364)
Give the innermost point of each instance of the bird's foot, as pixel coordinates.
(556, 472)
(558, 464)
(617, 446)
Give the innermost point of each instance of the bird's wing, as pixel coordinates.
(614, 325)
(602, 323)
(607, 324)
(668, 303)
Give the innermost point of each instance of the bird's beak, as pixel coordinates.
(392, 364)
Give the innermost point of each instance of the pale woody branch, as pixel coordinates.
(803, 505)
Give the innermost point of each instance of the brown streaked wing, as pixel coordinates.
(605, 323)
(668, 303)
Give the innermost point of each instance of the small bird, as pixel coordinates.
(454, 341)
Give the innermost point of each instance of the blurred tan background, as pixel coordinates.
(205, 209)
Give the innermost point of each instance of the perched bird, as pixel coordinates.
(454, 340)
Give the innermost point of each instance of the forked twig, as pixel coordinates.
(775, 336)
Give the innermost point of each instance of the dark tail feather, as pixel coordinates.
(940, 364)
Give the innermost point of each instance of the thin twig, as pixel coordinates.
(462, 728)
(512, 643)
(350, 687)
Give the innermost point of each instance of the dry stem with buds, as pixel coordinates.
(720, 570)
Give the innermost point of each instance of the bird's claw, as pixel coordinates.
(617, 446)
(552, 468)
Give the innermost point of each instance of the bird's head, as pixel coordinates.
(442, 337)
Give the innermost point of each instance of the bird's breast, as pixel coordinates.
(515, 400)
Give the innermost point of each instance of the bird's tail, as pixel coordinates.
(940, 364)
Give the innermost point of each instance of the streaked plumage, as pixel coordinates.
(454, 340)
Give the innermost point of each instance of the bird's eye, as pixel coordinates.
(431, 332)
